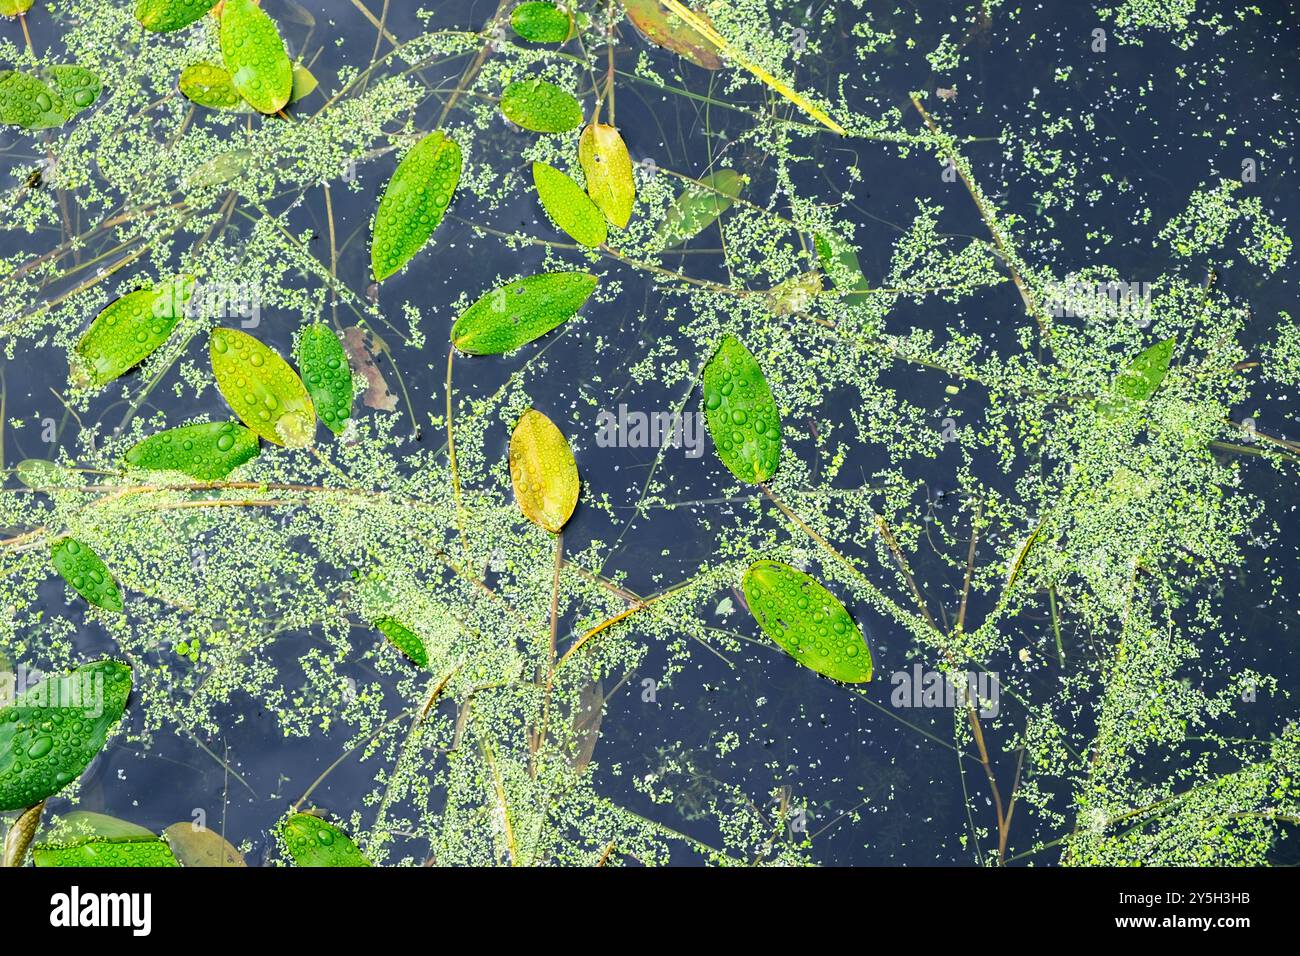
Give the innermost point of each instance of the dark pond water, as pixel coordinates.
(1166, 134)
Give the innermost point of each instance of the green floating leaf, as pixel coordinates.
(12, 8)
(43, 473)
(304, 83)
(199, 846)
(210, 85)
(414, 202)
(312, 841)
(543, 472)
(82, 825)
(266, 394)
(161, 16)
(541, 22)
(518, 312)
(663, 29)
(86, 573)
(699, 206)
(130, 328)
(541, 107)
(220, 169)
(27, 102)
(1143, 377)
(839, 260)
(207, 451)
(78, 86)
(741, 413)
(324, 367)
(255, 56)
(102, 852)
(809, 622)
(404, 639)
(52, 731)
(568, 206)
(608, 167)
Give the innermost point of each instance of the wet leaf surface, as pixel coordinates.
(414, 203)
(741, 413)
(50, 733)
(129, 329)
(569, 208)
(207, 451)
(266, 394)
(86, 573)
(254, 54)
(515, 314)
(807, 621)
(312, 841)
(607, 165)
(543, 471)
(541, 107)
(325, 371)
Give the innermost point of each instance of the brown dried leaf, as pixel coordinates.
(662, 29)
(362, 352)
(586, 724)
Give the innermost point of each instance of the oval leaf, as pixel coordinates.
(514, 314)
(699, 206)
(81, 825)
(86, 573)
(568, 206)
(100, 852)
(27, 102)
(608, 168)
(404, 639)
(78, 86)
(220, 169)
(161, 16)
(51, 732)
(741, 413)
(324, 367)
(839, 260)
(210, 85)
(207, 451)
(663, 29)
(11, 8)
(304, 83)
(541, 107)
(541, 22)
(266, 394)
(254, 54)
(201, 847)
(414, 203)
(543, 472)
(1143, 377)
(129, 329)
(312, 841)
(809, 622)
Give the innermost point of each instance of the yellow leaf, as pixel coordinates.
(608, 168)
(543, 471)
(706, 30)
